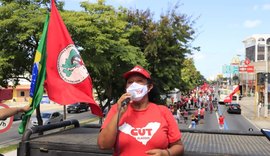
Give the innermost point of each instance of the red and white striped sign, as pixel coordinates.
(244, 69)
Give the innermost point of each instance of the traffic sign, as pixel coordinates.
(247, 61)
(230, 69)
(5, 124)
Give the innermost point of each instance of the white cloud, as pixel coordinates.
(266, 7)
(252, 23)
(255, 7)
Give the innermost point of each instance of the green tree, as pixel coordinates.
(191, 77)
(21, 23)
(165, 44)
(111, 41)
(101, 34)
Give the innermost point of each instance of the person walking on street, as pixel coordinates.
(176, 114)
(193, 121)
(199, 113)
(185, 116)
(221, 121)
(259, 109)
(211, 107)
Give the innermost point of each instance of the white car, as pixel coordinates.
(48, 118)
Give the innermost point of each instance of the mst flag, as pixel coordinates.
(67, 80)
(38, 77)
(228, 99)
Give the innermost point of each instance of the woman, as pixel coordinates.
(144, 127)
(221, 121)
(193, 121)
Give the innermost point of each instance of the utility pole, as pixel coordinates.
(266, 83)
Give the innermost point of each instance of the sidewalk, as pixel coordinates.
(250, 112)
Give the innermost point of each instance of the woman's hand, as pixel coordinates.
(157, 152)
(120, 101)
(25, 108)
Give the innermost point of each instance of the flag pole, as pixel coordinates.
(65, 113)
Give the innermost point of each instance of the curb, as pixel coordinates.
(253, 123)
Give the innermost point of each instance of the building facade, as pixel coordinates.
(257, 50)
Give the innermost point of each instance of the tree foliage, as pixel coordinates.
(101, 35)
(190, 76)
(165, 44)
(111, 41)
(20, 26)
(21, 23)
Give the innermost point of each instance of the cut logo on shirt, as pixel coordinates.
(143, 134)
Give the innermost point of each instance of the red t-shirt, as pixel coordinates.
(221, 120)
(139, 131)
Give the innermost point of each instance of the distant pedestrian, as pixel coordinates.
(185, 116)
(259, 108)
(179, 116)
(175, 115)
(199, 113)
(211, 107)
(221, 121)
(193, 121)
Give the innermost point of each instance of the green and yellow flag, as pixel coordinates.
(38, 77)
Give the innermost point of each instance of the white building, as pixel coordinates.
(257, 50)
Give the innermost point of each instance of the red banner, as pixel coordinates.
(68, 80)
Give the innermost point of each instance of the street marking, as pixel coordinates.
(217, 114)
(189, 126)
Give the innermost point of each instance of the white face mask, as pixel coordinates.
(137, 91)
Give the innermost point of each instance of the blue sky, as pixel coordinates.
(221, 25)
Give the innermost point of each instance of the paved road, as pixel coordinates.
(233, 122)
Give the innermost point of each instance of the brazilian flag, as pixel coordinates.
(38, 77)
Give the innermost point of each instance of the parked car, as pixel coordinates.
(78, 107)
(234, 108)
(235, 97)
(48, 118)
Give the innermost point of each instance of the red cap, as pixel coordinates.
(137, 69)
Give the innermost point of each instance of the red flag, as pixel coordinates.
(228, 99)
(68, 80)
(235, 90)
(205, 86)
